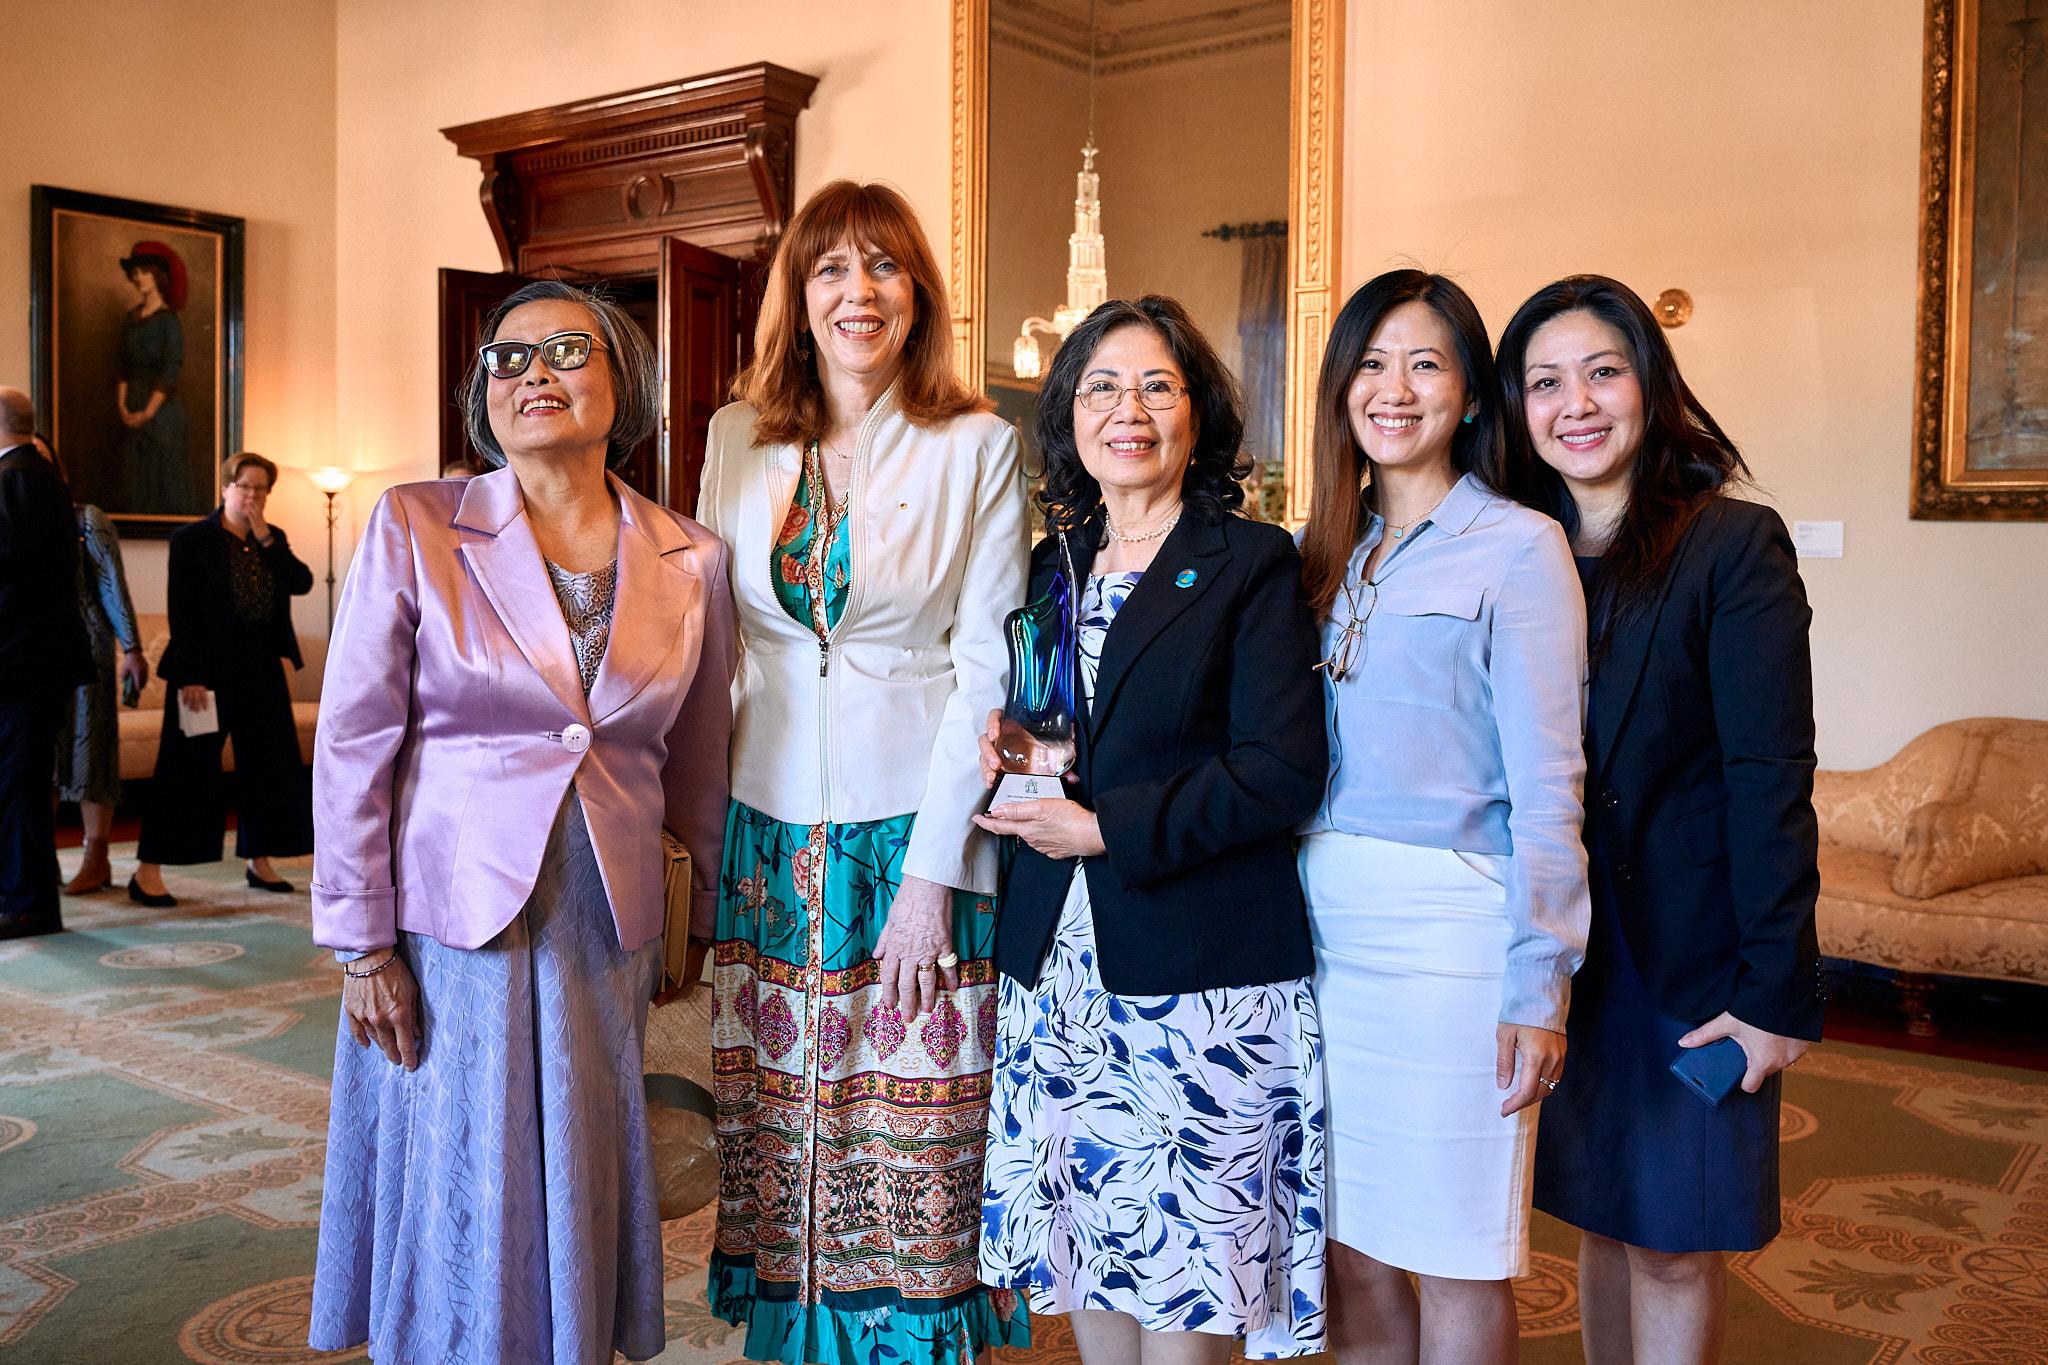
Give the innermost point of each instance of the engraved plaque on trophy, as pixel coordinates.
(1035, 738)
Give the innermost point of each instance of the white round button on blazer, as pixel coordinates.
(576, 738)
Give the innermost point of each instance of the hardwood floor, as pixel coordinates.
(1981, 1021)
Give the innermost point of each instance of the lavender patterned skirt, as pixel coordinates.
(498, 1204)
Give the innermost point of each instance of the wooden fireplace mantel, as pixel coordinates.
(593, 186)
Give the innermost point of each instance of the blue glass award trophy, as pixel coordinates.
(1035, 739)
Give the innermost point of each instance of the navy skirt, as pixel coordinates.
(1624, 1149)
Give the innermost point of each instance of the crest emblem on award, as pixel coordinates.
(1035, 738)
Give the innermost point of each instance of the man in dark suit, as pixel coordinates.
(43, 656)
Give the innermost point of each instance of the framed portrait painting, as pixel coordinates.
(1980, 420)
(136, 315)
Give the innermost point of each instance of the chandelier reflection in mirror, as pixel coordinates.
(1087, 272)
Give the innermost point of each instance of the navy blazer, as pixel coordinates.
(1699, 779)
(1205, 746)
(43, 645)
(202, 604)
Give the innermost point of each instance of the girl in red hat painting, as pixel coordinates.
(155, 455)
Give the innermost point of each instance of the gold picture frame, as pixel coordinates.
(1958, 160)
(1314, 194)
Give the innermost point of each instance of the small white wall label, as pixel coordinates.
(1817, 539)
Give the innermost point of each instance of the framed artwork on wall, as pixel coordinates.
(1980, 418)
(135, 311)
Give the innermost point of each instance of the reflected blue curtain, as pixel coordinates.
(1262, 341)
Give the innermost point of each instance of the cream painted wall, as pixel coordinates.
(223, 105)
(407, 203)
(1764, 156)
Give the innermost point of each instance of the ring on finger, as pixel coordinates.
(924, 967)
(1548, 1084)
(949, 961)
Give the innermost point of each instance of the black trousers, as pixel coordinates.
(187, 811)
(28, 834)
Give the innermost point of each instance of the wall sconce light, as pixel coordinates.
(1673, 307)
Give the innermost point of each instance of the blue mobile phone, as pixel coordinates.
(1711, 1071)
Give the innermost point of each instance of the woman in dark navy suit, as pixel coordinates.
(1699, 820)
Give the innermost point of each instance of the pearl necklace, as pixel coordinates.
(1153, 534)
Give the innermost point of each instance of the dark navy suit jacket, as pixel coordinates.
(1203, 749)
(1699, 779)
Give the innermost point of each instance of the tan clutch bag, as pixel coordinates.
(676, 973)
(677, 1060)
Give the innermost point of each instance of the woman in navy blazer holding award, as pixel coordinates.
(1155, 1134)
(1699, 820)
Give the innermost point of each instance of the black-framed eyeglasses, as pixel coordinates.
(1099, 395)
(1352, 637)
(562, 351)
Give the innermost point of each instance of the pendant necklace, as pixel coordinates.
(1396, 532)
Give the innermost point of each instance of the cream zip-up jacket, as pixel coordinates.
(883, 719)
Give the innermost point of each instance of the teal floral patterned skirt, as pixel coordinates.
(850, 1138)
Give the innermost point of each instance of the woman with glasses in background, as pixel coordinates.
(230, 587)
(1155, 1139)
(530, 677)
(876, 515)
(1446, 882)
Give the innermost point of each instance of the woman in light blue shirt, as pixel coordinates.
(1445, 877)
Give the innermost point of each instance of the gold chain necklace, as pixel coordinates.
(1396, 532)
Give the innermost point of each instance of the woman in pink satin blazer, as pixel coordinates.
(454, 722)
(529, 675)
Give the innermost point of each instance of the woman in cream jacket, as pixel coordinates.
(876, 516)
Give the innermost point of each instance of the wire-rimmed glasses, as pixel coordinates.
(1100, 395)
(1352, 637)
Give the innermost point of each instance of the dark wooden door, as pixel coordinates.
(702, 336)
(693, 311)
(466, 296)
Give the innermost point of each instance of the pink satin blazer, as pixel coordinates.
(453, 720)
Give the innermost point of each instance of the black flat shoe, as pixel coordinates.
(28, 926)
(281, 887)
(166, 901)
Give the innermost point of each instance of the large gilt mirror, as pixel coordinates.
(1109, 148)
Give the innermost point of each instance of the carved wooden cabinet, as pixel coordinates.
(673, 197)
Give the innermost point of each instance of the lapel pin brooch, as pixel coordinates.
(1184, 579)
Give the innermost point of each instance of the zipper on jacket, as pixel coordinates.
(861, 442)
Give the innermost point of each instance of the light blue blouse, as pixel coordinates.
(1459, 723)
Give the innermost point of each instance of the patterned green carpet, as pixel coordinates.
(163, 1099)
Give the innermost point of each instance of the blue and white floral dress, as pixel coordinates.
(1157, 1155)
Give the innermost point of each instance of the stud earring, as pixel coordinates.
(1468, 419)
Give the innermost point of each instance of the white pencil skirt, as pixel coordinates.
(1411, 943)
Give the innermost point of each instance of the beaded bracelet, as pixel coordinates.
(358, 976)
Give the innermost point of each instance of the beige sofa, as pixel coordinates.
(1937, 861)
(142, 724)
